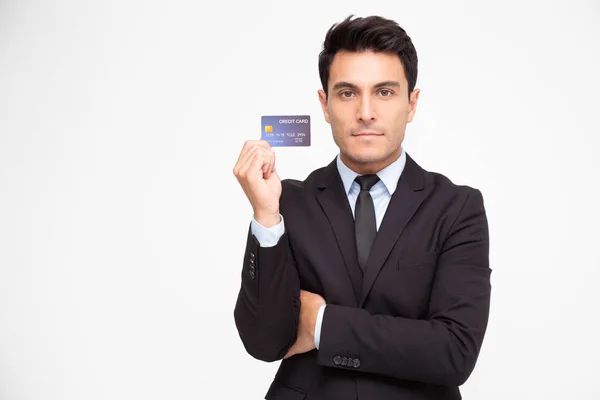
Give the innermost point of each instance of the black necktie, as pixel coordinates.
(365, 226)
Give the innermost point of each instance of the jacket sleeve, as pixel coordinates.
(441, 349)
(267, 309)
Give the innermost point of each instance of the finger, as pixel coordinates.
(253, 165)
(261, 143)
(290, 352)
(249, 157)
(271, 166)
(241, 161)
(267, 166)
(243, 156)
(247, 150)
(244, 163)
(264, 143)
(293, 350)
(257, 165)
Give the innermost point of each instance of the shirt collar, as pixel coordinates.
(389, 175)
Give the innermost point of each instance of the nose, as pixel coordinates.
(366, 112)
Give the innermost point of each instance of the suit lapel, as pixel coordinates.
(404, 203)
(334, 202)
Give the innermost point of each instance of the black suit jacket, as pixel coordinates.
(410, 328)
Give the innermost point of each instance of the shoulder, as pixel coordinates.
(443, 193)
(443, 183)
(457, 205)
(454, 195)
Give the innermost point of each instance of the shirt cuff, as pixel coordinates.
(318, 325)
(267, 237)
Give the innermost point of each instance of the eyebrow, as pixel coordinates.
(348, 85)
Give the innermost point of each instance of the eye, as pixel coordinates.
(386, 92)
(346, 94)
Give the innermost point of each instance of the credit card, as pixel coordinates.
(286, 130)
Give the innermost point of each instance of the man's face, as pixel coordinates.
(368, 108)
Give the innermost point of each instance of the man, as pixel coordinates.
(370, 278)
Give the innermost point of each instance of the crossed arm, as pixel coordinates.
(276, 320)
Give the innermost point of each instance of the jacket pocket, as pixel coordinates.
(278, 391)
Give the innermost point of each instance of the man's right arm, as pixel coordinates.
(268, 305)
(268, 237)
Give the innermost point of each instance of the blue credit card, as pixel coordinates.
(286, 130)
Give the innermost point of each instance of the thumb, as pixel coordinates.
(290, 352)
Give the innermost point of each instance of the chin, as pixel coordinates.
(367, 157)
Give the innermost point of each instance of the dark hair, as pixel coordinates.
(372, 33)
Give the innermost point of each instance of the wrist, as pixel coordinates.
(267, 220)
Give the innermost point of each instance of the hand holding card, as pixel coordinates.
(255, 171)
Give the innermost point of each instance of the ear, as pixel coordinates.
(323, 101)
(412, 107)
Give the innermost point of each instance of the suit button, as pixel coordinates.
(337, 360)
(251, 261)
(356, 363)
(344, 361)
(350, 361)
(252, 275)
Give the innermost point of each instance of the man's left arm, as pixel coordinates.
(441, 349)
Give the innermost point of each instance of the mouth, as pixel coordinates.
(367, 134)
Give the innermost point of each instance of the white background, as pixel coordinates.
(122, 227)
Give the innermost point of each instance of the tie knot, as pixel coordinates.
(366, 182)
